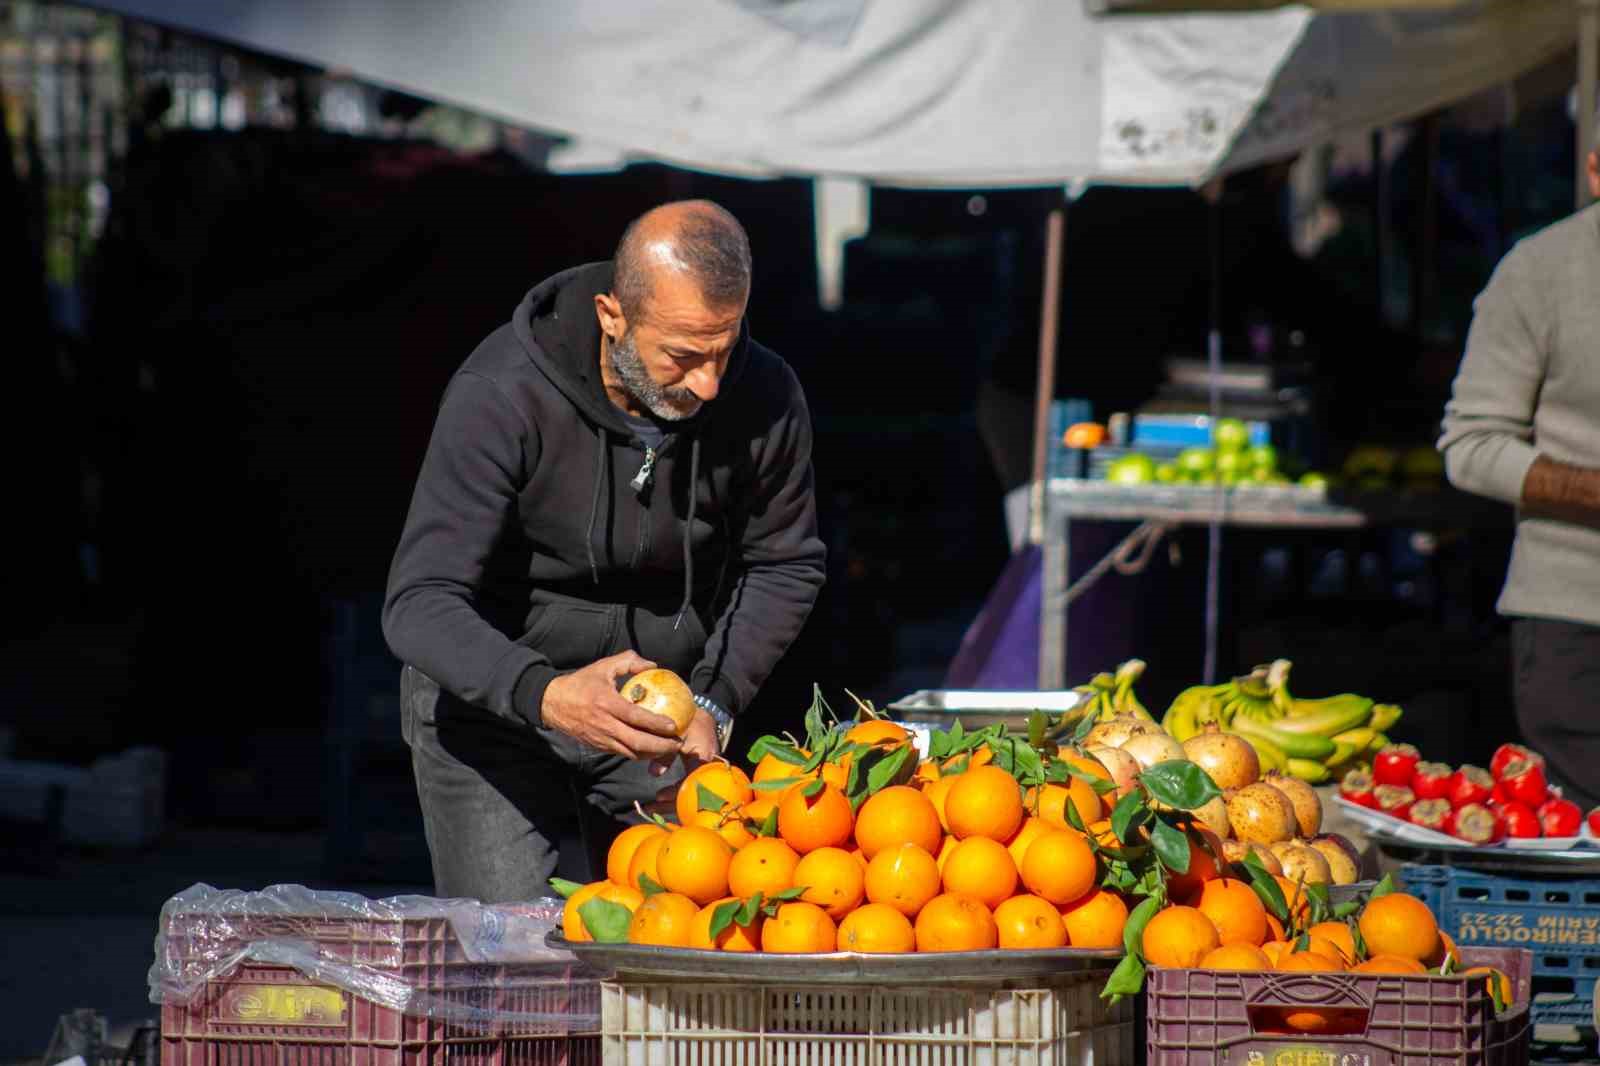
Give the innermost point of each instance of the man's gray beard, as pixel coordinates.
(670, 402)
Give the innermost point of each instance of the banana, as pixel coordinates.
(1356, 738)
(1278, 683)
(1327, 717)
(1343, 751)
(1379, 742)
(1268, 754)
(1309, 770)
(1262, 711)
(1294, 745)
(1183, 718)
(1384, 716)
(1106, 695)
(1179, 720)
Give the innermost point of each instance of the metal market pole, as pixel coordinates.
(1049, 319)
(1588, 65)
(1053, 546)
(1214, 408)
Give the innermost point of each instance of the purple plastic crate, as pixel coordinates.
(1196, 1017)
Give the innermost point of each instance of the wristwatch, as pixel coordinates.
(723, 720)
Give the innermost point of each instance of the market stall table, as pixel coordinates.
(1162, 508)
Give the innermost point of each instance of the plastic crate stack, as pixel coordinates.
(1556, 916)
(372, 983)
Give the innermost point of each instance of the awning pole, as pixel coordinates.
(1588, 64)
(1049, 319)
(1213, 613)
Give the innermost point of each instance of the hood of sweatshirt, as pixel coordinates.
(557, 327)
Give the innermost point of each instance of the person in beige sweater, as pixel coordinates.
(1523, 427)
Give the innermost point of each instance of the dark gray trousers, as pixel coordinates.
(1557, 668)
(506, 805)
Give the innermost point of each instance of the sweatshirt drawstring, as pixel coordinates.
(601, 460)
(688, 533)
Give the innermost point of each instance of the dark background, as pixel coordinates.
(217, 413)
(271, 320)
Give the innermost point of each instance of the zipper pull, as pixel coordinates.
(641, 480)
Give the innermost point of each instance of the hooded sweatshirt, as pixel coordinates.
(543, 534)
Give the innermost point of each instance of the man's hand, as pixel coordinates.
(586, 706)
(699, 746)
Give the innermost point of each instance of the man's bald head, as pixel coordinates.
(694, 238)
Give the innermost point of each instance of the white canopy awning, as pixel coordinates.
(916, 92)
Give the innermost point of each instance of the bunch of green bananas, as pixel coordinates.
(1315, 740)
(1108, 695)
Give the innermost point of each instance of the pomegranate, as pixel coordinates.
(1260, 814)
(1303, 798)
(1229, 759)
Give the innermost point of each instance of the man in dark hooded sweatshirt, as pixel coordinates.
(619, 477)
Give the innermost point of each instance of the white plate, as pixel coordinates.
(1397, 828)
(1388, 826)
(1544, 843)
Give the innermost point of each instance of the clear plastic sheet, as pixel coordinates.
(449, 959)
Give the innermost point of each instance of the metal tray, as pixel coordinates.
(839, 967)
(979, 707)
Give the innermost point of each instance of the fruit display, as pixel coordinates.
(1376, 467)
(1314, 740)
(1511, 801)
(1096, 830)
(1231, 461)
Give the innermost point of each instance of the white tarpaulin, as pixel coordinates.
(917, 92)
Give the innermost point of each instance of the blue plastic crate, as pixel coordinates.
(1556, 916)
(1186, 431)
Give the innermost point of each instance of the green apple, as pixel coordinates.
(1234, 465)
(1263, 457)
(1168, 473)
(1135, 468)
(1313, 479)
(1195, 461)
(1230, 435)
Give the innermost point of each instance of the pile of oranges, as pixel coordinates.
(959, 857)
(956, 855)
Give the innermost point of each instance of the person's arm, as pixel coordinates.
(1562, 491)
(464, 503)
(779, 568)
(1488, 424)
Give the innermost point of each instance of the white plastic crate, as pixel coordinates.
(1057, 1021)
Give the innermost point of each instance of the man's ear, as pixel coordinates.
(608, 311)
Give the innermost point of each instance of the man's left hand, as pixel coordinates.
(699, 746)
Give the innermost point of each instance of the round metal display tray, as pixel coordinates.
(839, 967)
